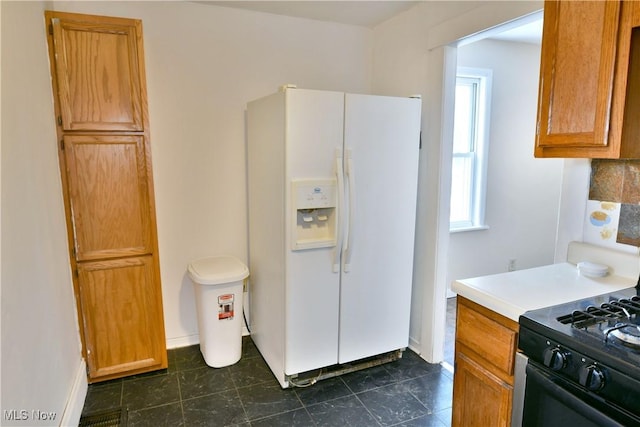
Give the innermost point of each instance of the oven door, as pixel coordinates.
(551, 401)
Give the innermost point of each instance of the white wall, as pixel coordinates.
(573, 203)
(41, 358)
(203, 64)
(417, 43)
(523, 193)
(416, 51)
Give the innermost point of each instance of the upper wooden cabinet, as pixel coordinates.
(98, 69)
(589, 67)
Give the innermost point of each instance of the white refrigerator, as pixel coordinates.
(332, 187)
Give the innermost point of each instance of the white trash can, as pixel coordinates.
(218, 283)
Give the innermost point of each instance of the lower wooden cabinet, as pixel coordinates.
(486, 344)
(482, 398)
(122, 317)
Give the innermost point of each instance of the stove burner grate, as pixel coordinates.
(627, 333)
(609, 311)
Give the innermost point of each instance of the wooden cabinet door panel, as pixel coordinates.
(108, 182)
(122, 316)
(484, 366)
(493, 342)
(479, 398)
(625, 127)
(577, 72)
(98, 69)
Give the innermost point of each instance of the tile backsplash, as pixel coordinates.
(613, 208)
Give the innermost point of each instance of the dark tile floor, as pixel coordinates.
(407, 392)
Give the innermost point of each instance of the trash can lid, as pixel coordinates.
(216, 270)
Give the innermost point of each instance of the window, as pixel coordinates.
(470, 148)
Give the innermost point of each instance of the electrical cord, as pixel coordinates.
(245, 287)
(245, 320)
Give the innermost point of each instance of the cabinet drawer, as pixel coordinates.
(487, 334)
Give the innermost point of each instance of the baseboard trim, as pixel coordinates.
(414, 345)
(192, 339)
(183, 341)
(447, 366)
(75, 402)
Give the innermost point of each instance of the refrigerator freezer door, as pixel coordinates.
(314, 131)
(382, 140)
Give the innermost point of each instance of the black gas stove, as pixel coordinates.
(591, 349)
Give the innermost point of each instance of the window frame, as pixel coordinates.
(477, 196)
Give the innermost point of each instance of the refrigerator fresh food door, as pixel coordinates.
(381, 149)
(314, 131)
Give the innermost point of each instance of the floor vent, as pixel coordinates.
(113, 418)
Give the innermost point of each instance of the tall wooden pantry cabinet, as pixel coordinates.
(99, 88)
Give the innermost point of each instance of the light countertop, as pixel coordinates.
(511, 294)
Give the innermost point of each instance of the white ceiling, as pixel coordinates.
(527, 33)
(355, 12)
(369, 14)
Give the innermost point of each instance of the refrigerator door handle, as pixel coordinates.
(337, 255)
(348, 245)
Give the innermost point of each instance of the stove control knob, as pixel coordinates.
(555, 359)
(591, 377)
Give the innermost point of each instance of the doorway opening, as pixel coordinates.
(512, 53)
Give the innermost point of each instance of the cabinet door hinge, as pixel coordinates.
(51, 29)
(75, 271)
(59, 120)
(62, 144)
